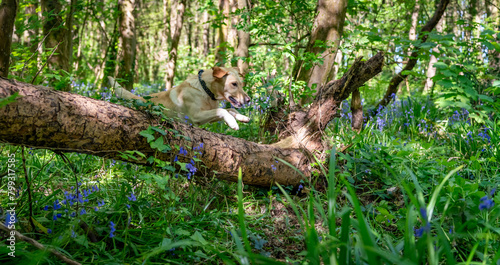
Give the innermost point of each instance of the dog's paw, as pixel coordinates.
(242, 118)
(233, 126)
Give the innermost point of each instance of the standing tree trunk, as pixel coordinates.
(221, 50)
(69, 37)
(176, 19)
(56, 35)
(494, 55)
(431, 70)
(243, 42)
(328, 28)
(32, 28)
(8, 11)
(128, 42)
(206, 34)
(412, 61)
(414, 23)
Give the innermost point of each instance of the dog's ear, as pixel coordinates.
(218, 72)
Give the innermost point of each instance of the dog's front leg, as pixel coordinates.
(238, 116)
(212, 115)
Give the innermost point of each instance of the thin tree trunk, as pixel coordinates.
(494, 55)
(69, 37)
(32, 30)
(176, 19)
(206, 34)
(431, 70)
(57, 35)
(232, 35)
(243, 43)
(413, 28)
(412, 61)
(104, 129)
(328, 28)
(196, 31)
(128, 42)
(221, 50)
(8, 11)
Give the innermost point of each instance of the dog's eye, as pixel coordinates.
(234, 84)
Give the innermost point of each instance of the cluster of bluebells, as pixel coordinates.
(345, 111)
(484, 134)
(419, 232)
(487, 201)
(83, 89)
(273, 167)
(112, 229)
(79, 196)
(457, 116)
(131, 198)
(191, 166)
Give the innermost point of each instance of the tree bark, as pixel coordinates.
(412, 61)
(414, 23)
(328, 28)
(494, 55)
(65, 122)
(176, 19)
(206, 34)
(31, 22)
(128, 42)
(220, 51)
(8, 11)
(243, 42)
(431, 70)
(56, 35)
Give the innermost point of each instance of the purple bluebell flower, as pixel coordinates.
(486, 203)
(112, 229)
(132, 197)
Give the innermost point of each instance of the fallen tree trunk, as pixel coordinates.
(66, 122)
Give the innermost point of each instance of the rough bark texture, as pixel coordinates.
(493, 55)
(412, 61)
(220, 52)
(57, 35)
(8, 10)
(414, 21)
(328, 28)
(304, 127)
(65, 122)
(128, 42)
(206, 34)
(357, 111)
(31, 31)
(243, 42)
(431, 70)
(176, 19)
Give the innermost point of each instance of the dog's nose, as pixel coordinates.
(247, 99)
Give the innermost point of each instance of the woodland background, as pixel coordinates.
(395, 162)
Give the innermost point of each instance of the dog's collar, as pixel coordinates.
(204, 86)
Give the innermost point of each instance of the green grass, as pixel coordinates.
(411, 189)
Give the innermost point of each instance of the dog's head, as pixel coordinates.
(233, 85)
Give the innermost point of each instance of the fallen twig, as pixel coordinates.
(39, 245)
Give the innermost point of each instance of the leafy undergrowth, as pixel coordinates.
(417, 186)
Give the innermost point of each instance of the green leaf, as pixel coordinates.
(149, 134)
(199, 238)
